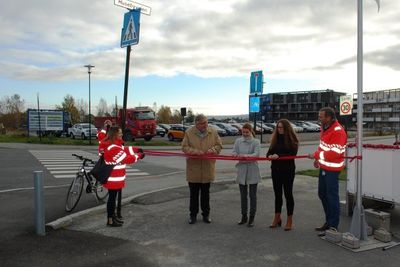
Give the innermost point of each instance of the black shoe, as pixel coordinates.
(192, 220)
(243, 220)
(206, 219)
(322, 228)
(114, 223)
(118, 219)
(251, 222)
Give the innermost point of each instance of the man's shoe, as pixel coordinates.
(192, 220)
(320, 234)
(322, 228)
(251, 222)
(206, 219)
(118, 219)
(113, 223)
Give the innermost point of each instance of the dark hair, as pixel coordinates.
(329, 112)
(290, 137)
(250, 128)
(112, 133)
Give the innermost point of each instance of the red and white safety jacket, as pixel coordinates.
(101, 134)
(332, 147)
(119, 156)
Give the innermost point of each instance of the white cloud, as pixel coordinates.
(311, 39)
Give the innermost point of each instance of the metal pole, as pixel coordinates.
(128, 56)
(38, 110)
(358, 224)
(89, 67)
(39, 203)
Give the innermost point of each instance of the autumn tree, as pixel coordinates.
(177, 117)
(12, 111)
(164, 114)
(69, 105)
(102, 108)
(189, 118)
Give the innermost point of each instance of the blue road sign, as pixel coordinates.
(255, 104)
(130, 30)
(256, 82)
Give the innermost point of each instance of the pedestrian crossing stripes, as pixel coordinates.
(62, 165)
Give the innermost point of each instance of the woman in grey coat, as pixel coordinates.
(248, 173)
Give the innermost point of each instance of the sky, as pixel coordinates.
(194, 54)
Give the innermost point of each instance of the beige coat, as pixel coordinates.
(197, 170)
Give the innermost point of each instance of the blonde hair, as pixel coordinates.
(249, 127)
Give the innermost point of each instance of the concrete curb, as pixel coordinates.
(69, 219)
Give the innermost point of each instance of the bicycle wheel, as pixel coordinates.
(74, 192)
(101, 192)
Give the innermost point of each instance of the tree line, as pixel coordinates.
(13, 114)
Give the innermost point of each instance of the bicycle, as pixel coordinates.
(93, 186)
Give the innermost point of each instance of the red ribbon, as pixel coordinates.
(378, 146)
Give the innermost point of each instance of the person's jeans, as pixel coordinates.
(328, 192)
(204, 198)
(244, 200)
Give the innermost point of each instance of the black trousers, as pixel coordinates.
(204, 190)
(283, 180)
(253, 198)
(112, 196)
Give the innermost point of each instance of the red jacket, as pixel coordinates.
(332, 147)
(119, 156)
(101, 134)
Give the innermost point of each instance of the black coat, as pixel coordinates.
(286, 166)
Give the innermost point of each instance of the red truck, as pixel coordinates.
(140, 123)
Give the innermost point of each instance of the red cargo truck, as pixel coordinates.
(140, 123)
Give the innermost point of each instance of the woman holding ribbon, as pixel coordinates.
(284, 143)
(248, 173)
(118, 155)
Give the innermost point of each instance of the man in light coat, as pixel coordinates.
(200, 140)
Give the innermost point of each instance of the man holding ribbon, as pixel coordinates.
(329, 157)
(200, 141)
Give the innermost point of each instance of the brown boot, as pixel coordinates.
(277, 222)
(289, 223)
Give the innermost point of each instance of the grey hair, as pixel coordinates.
(199, 117)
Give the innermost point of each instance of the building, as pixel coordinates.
(381, 110)
(296, 105)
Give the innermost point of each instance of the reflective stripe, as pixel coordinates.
(121, 158)
(337, 150)
(321, 155)
(119, 167)
(116, 179)
(331, 164)
(131, 150)
(324, 148)
(338, 128)
(111, 146)
(136, 157)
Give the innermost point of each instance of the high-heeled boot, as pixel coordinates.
(243, 220)
(289, 223)
(277, 222)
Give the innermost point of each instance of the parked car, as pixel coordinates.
(81, 130)
(230, 130)
(176, 132)
(296, 128)
(160, 131)
(266, 129)
(237, 126)
(166, 127)
(221, 132)
(311, 127)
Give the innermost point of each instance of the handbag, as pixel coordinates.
(101, 171)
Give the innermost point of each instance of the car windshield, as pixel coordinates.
(149, 115)
(86, 126)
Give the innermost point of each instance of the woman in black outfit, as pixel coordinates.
(284, 142)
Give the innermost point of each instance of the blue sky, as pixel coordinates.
(197, 54)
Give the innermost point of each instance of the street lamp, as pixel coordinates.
(89, 67)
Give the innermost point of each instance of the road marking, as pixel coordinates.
(32, 188)
(62, 165)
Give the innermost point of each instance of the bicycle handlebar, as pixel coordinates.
(84, 159)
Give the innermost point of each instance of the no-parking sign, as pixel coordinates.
(346, 105)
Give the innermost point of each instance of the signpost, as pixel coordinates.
(131, 5)
(346, 105)
(256, 82)
(254, 107)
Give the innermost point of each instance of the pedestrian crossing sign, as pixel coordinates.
(130, 30)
